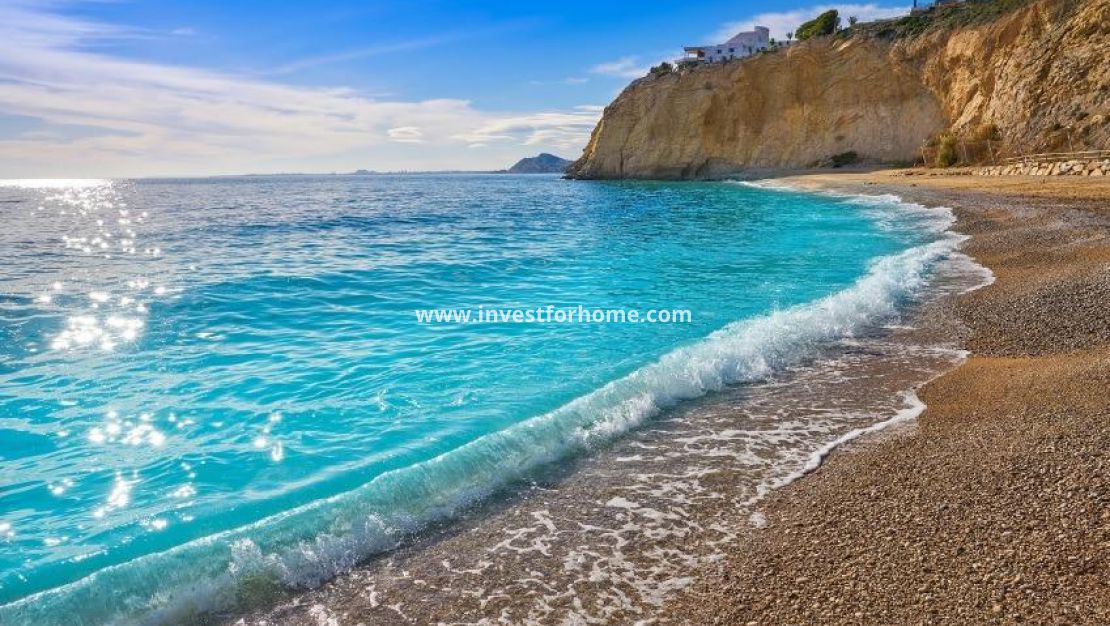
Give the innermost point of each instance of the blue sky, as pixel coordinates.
(142, 88)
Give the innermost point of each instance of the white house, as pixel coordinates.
(742, 45)
(923, 6)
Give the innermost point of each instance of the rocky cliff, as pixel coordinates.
(1039, 71)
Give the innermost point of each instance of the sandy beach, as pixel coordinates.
(996, 507)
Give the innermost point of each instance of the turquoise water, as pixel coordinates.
(212, 386)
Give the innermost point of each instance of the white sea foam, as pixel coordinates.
(304, 546)
(891, 212)
(914, 408)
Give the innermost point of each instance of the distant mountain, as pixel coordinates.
(541, 164)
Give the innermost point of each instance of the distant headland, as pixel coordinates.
(542, 163)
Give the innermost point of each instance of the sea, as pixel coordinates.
(219, 393)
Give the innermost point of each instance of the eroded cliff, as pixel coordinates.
(1040, 73)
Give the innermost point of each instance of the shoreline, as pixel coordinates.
(996, 507)
(989, 506)
(618, 534)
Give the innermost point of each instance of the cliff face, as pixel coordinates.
(1033, 73)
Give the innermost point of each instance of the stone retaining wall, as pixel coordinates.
(1032, 167)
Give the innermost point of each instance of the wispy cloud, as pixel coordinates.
(784, 22)
(406, 134)
(33, 25)
(566, 130)
(363, 53)
(167, 119)
(392, 47)
(570, 80)
(624, 67)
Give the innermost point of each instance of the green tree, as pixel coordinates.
(825, 24)
(852, 21)
(946, 151)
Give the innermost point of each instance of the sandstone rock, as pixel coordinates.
(1025, 72)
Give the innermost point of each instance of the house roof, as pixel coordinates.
(744, 35)
(737, 39)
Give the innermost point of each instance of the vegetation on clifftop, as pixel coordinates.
(967, 13)
(825, 24)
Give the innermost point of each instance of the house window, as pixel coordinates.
(718, 52)
(731, 50)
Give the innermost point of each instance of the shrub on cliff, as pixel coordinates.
(825, 24)
(662, 69)
(946, 151)
(987, 132)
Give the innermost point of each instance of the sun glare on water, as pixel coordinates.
(54, 183)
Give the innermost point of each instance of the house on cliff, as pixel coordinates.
(742, 45)
(924, 6)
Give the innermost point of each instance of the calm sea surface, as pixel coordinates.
(211, 386)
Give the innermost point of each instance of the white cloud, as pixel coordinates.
(625, 67)
(362, 53)
(406, 134)
(570, 80)
(784, 22)
(565, 131)
(155, 119)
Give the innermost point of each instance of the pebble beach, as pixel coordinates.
(995, 506)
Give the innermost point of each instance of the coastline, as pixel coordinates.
(988, 507)
(618, 534)
(995, 507)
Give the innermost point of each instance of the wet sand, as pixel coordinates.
(996, 508)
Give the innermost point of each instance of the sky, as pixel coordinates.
(132, 88)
